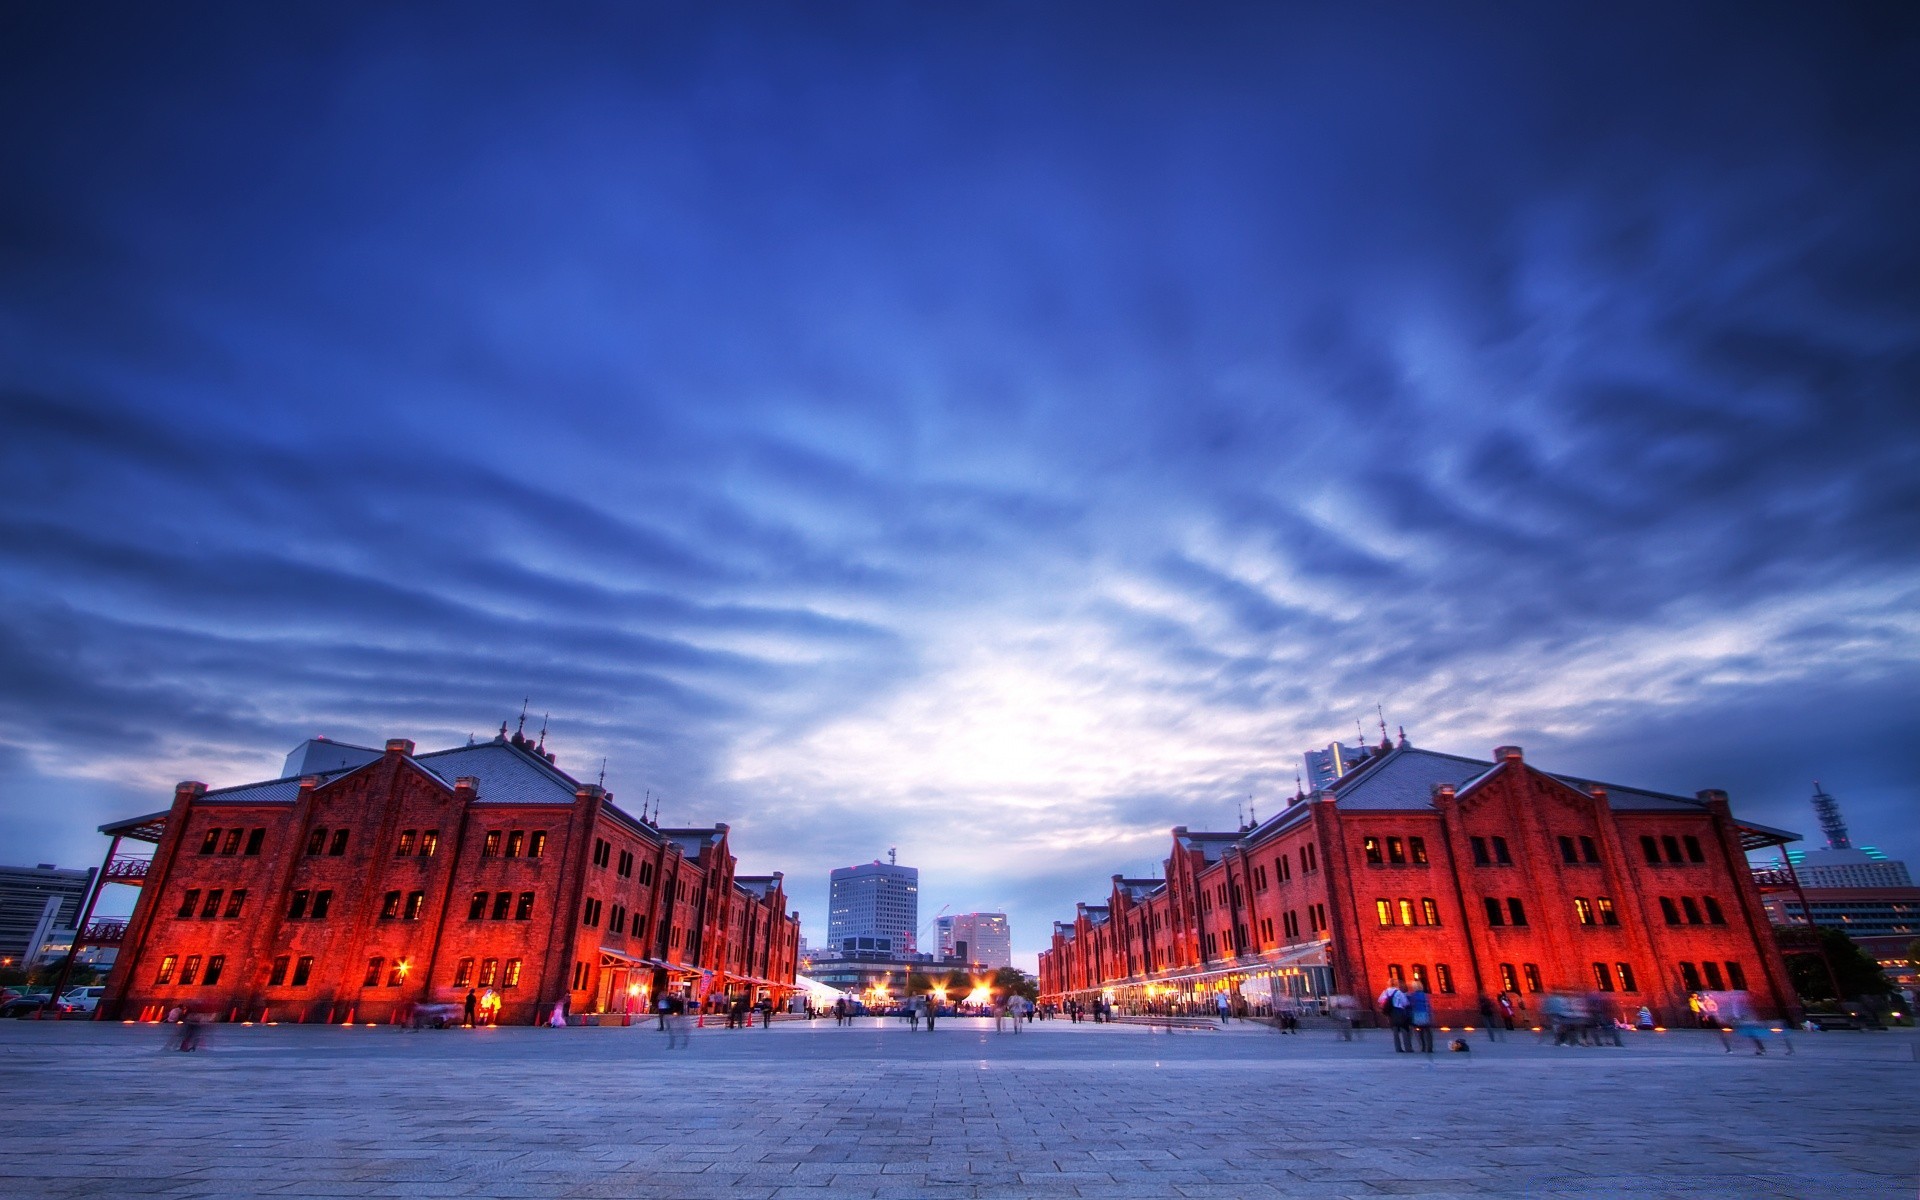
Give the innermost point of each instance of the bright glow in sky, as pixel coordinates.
(1001, 434)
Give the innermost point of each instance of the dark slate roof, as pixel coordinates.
(693, 841)
(507, 774)
(758, 885)
(1210, 845)
(1403, 778)
(272, 791)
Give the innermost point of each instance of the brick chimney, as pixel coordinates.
(1507, 754)
(1442, 792)
(466, 787)
(191, 789)
(402, 746)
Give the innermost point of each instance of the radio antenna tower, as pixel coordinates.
(1831, 823)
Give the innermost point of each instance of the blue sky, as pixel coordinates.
(997, 432)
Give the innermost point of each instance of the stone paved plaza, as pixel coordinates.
(809, 1110)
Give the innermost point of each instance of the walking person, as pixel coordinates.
(1394, 1002)
(1506, 1010)
(1490, 1017)
(557, 1019)
(473, 1003)
(933, 1009)
(1221, 1007)
(1420, 1015)
(661, 1005)
(766, 1012)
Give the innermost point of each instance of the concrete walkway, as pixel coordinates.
(1058, 1110)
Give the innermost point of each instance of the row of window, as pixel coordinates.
(1512, 913)
(190, 970)
(1672, 847)
(1692, 910)
(190, 901)
(334, 846)
(417, 843)
(592, 910)
(1426, 912)
(1735, 978)
(1585, 851)
(1395, 851)
(1500, 855)
(1440, 981)
(310, 905)
(490, 973)
(393, 908)
(1283, 868)
(396, 972)
(227, 841)
(501, 902)
(1598, 911)
(513, 843)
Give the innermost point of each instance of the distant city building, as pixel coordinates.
(874, 908)
(1859, 891)
(1325, 766)
(38, 908)
(980, 939)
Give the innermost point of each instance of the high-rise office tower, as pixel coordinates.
(978, 938)
(874, 907)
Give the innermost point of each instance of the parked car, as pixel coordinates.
(84, 999)
(26, 1006)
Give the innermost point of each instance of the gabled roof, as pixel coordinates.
(756, 885)
(507, 773)
(693, 841)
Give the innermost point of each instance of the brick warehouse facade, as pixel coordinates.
(1474, 877)
(399, 877)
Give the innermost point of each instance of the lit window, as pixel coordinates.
(477, 907)
(232, 843)
(537, 844)
(1406, 913)
(1625, 972)
(1443, 975)
(1532, 972)
(511, 976)
(429, 842)
(1395, 976)
(490, 846)
(1509, 982)
(463, 973)
(516, 841)
(1384, 910)
(1602, 977)
(523, 909)
(1583, 909)
(1396, 852)
(397, 973)
(415, 902)
(279, 975)
(1430, 911)
(405, 848)
(390, 906)
(489, 971)
(1420, 976)
(1371, 847)
(1607, 915)
(166, 970)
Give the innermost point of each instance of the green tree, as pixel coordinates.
(1855, 970)
(1010, 981)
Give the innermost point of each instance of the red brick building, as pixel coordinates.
(1473, 877)
(392, 877)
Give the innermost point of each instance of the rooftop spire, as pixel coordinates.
(523, 715)
(1831, 822)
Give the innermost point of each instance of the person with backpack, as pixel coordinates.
(1395, 1003)
(1420, 1017)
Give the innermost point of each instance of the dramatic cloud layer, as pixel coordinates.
(996, 434)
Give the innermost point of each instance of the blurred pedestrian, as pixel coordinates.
(1394, 1003)
(1490, 1017)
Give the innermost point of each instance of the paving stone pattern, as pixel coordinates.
(810, 1110)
